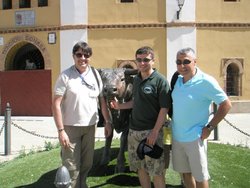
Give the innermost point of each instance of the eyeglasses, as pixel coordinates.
(79, 55)
(145, 60)
(184, 62)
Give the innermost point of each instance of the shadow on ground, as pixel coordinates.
(126, 179)
(46, 180)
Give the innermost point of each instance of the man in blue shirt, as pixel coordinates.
(193, 93)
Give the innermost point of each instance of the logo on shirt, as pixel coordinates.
(148, 90)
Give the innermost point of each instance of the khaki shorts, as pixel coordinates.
(191, 157)
(154, 167)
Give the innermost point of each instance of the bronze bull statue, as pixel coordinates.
(117, 83)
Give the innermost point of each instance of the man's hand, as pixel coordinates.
(114, 104)
(205, 133)
(107, 129)
(152, 137)
(63, 139)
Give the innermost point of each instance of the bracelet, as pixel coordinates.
(108, 122)
(60, 130)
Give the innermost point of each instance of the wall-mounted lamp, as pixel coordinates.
(180, 5)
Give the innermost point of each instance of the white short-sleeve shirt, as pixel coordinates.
(80, 96)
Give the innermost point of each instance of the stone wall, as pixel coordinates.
(240, 106)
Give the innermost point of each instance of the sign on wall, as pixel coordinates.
(25, 18)
(1, 41)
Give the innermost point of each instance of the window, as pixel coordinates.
(232, 83)
(232, 71)
(7, 4)
(42, 3)
(127, 1)
(24, 3)
(231, 0)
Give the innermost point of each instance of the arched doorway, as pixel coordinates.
(25, 82)
(129, 64)
(28, 57)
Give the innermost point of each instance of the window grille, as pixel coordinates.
(42, 3)
(232, 70)
(231, 0)
(24, 4)
(7, 4)
(127, 1)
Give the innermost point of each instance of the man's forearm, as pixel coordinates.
(222, 111)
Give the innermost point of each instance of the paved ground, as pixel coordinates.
(31, 134)
(42, 129)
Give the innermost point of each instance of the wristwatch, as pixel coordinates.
(210, 127)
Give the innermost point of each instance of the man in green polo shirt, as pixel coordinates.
(150, 104)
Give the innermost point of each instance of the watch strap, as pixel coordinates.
(210, 127)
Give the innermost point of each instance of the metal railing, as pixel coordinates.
(7, 131)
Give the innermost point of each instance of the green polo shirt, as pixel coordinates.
(149, 95)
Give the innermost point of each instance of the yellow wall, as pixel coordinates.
(220, 11)
(50, 52)
(111, 45)
(44, 16)
(224, 41)
(54, 56)
(112, 11)
(215, 44)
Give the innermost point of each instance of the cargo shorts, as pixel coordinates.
(154, 167)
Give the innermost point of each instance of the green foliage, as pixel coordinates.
(24, 153)
(228, 165)
(49, 145)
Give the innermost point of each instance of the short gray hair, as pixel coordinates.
(187, 51)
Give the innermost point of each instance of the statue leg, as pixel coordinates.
(120, 166)
(106, 151)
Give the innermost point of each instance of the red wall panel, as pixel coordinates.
(28, 92)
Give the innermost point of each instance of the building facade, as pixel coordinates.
(37, 36)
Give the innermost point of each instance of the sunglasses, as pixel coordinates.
(184, 62)
(145, 60)
(79, 55)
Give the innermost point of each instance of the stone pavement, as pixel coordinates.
(228, 133)
(42, 129)
(30, 133)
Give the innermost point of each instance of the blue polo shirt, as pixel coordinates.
(191, 102)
